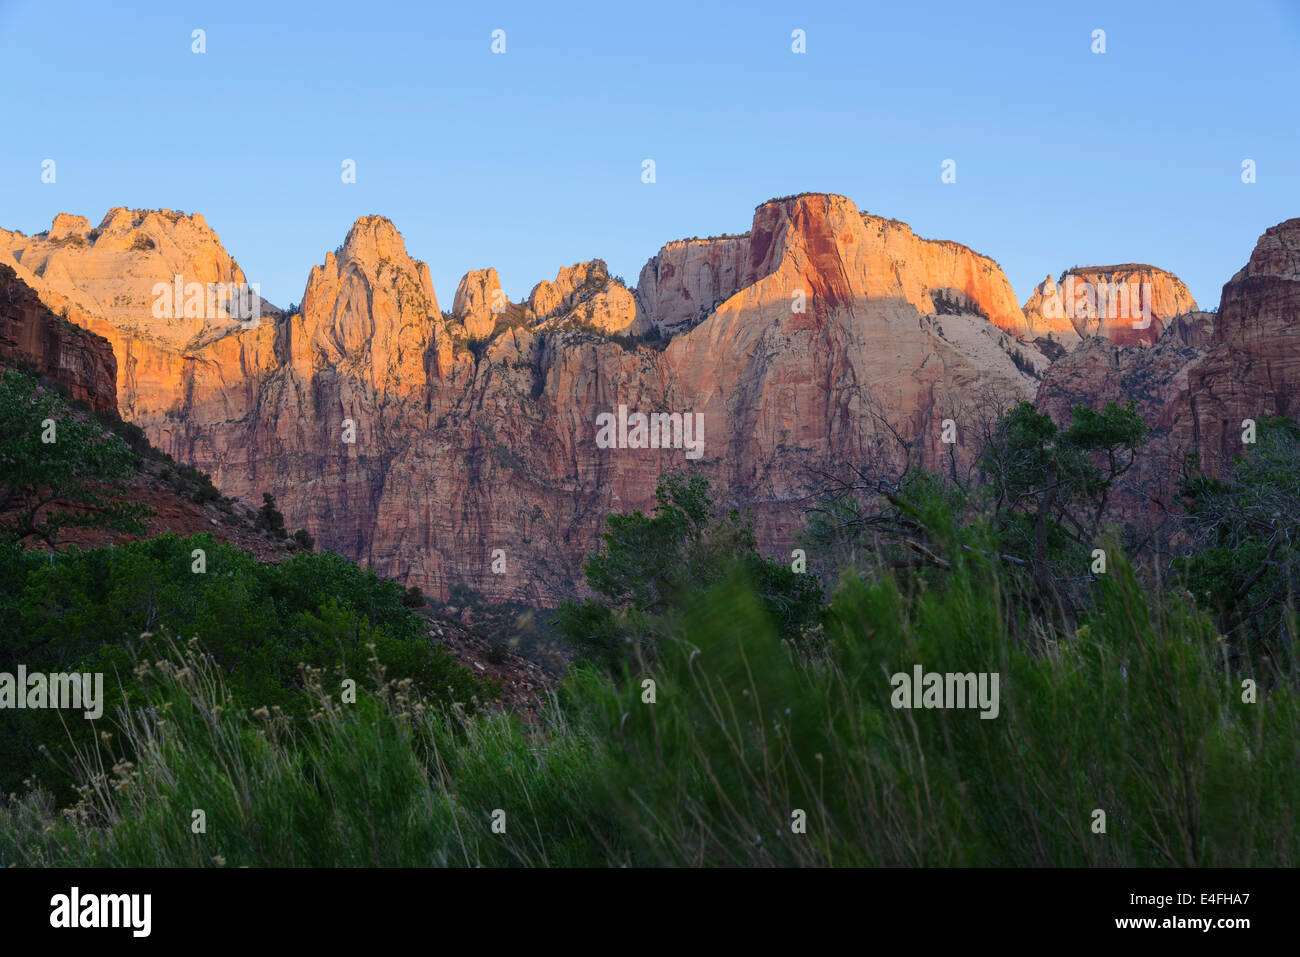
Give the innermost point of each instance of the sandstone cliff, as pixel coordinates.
(1206, 373)
(34, 338)
(104, 279)
(1253, 368)
(421, 442)
(1129, 304)
(881, 258)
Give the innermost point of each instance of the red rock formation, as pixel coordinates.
(879, 258)
(1206, 374)
(690, 278)
(479, 300)
(396, 437)
(583, 293)
(1253, 369)
(1129, 304)
(104, 279)
(34, 338)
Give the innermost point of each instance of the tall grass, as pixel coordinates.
(1136, 715)
(382, 782)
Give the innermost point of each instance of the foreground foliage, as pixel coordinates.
(724, 712)
(650, 566)
(86, 611)
(1136, 716)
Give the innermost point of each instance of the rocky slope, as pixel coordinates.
(1098, 371)
(422, 442)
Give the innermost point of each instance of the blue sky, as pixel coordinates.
(531, 160)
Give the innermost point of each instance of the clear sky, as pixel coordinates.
(532, 160)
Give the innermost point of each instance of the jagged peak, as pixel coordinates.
(119, 221)
(587, 292)
(372, 238)
(373, 221)
(571, 284)
(479, 301)
(1276, 253)
(473, 281)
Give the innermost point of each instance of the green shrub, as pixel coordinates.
(386, 781)
(59, 469)
(88, 610)
(649, 565)
(1134, 715)
(269, 519)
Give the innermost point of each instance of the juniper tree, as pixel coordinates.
(59, 469)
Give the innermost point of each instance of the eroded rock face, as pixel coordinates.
(35, 339)
(1155, 378)
(1206, 373)
(1261, 303)
(877, 257)
(399, 439)
(1253, 368)
(369, 313)
(583, 294)
(479, 300)
(1129, 304)
(109, 279)
(794, 384)
(688, 279)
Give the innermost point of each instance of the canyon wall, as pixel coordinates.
(34, 339)
(420, 441)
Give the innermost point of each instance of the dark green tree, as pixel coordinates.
(1243, 563)
(95, 610)
(1051, 487)
(1039, 494)
(655, 565)
(269, 518)
(59, 469)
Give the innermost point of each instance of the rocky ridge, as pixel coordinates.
(422, 442)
